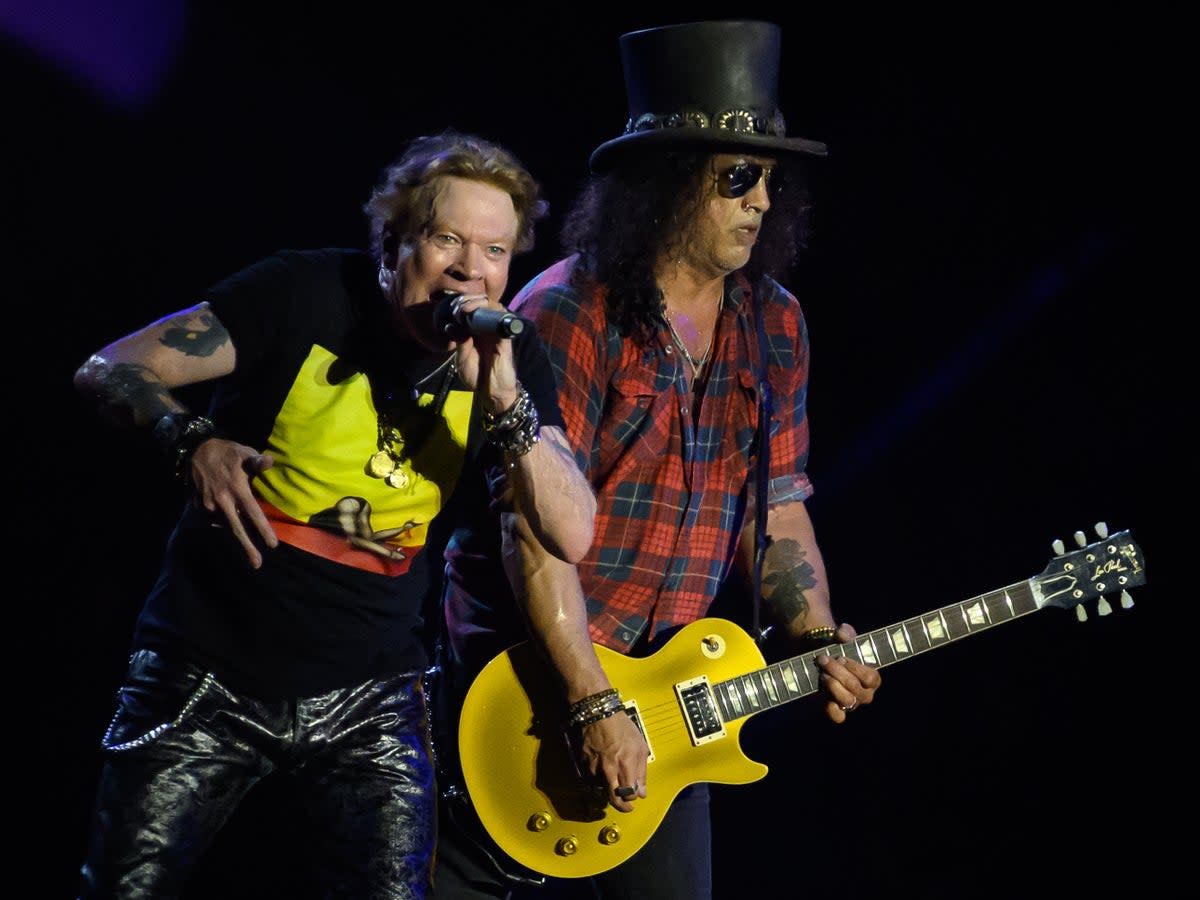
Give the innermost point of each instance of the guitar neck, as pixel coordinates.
(799, 676)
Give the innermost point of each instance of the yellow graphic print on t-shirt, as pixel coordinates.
(325, 435)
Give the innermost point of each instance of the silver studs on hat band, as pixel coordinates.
(739, 121)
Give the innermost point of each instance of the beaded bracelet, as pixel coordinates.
(590, 700)
(598, 716)
(593, 708)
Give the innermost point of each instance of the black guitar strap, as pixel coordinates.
(763, 469)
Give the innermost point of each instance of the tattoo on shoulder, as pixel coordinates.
(787, 574)
(196, 334)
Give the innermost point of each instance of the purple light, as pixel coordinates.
(121, 49)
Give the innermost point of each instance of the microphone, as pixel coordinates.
(478, 323)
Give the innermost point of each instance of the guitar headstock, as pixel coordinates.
(1113, 563)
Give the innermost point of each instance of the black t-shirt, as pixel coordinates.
(316, 358)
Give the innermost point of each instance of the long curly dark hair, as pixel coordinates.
(623, 220)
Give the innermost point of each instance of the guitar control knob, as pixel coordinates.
(539, 821)
(610, 834)
(566, 846)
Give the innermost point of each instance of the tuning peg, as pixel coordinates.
(1081, 539)
(1102, 530)
(1081, 613)
(1059, 548)
(1103, 607)
(1126, 600)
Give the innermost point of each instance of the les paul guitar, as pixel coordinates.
(690, 700)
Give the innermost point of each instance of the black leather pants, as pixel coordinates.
(182, 752)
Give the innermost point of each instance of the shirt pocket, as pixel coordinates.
(638, 420)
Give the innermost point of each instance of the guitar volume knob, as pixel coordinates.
(610, 834)
(539, 821)
(566, 846)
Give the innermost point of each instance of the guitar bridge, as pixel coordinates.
(700, 710)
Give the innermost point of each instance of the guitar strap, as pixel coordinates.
(763, 469)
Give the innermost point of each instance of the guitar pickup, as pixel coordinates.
(700, 710)
(631, 710)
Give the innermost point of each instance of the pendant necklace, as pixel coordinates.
(697, 364)
(387, 461)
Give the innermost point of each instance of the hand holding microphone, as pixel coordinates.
(484, 322)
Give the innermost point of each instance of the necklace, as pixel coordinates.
(388, 460)
(696, 364)
(448, 361)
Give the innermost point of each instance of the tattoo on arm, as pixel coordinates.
(133, 393)
(204, 340)
(787, 574)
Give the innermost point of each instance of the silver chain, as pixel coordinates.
(696, 364)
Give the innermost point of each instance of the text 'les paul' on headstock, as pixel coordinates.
(1113, 563)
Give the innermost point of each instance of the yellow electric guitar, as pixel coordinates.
(691, 699)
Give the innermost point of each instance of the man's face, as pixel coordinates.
(722, 239)
(468, 248)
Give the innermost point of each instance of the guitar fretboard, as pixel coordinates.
(799, 676)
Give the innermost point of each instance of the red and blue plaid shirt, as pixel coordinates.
(672, 491)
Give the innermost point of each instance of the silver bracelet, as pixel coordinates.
(516, 431)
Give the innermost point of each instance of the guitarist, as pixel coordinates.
(653, 326)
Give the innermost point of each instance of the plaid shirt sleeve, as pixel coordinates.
(574, 333)
(788, 356)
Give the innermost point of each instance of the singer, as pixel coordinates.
(347, 445)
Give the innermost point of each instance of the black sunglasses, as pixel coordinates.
(738, 181)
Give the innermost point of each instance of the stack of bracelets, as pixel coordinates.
(178, 435)
(514, 432)
(593, 708)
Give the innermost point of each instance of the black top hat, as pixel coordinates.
(703, 84)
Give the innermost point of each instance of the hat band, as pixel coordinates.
(738, 121)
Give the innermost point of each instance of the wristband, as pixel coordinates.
(515, 431)
(178, 435)
(593, 708)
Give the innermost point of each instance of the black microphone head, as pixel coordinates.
(443, 313)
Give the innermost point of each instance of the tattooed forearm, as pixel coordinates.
(125, 393)
(202, 339)
(787, 574)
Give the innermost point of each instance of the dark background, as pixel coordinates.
(987, 304)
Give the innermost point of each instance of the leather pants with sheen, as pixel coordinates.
(183, 751)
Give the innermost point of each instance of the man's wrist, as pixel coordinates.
(178, 435)
(515, 431)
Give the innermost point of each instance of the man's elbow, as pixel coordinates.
(572, 540)
(577, 546)
(89, 377)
